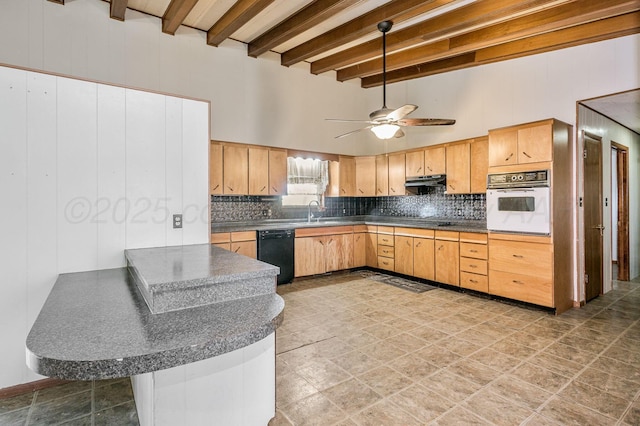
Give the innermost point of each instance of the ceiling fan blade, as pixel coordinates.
(401, 112)
(349, 121)
(425, 122)
(399, 134)
(352, 132)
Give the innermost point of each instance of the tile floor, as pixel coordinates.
(354, 351)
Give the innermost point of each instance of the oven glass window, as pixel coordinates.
(516, 204)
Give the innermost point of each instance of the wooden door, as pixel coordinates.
(434, 161)
(404, 255)
(503, 147)
(309, 256)
(622, 178)
(277, 171)
(258, 171)
(215, 169)
(382, 175)
(447, 260)
(397, 176)
(339, 252)
(365, 176)
(414, 163)
(359, 249)
(535, 143)
(593, 227)
(479, 165)
(458, 169)
(347, 176)
(236, 170)
(423, 258)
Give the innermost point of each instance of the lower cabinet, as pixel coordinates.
(423, 258)
(359, 249)
(473, 262)
(447, 257)
(321, 250)
(309, 256)
(372, 246)
(404, 255)
(241, 242)
(386, 250)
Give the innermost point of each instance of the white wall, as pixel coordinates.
(87, 170)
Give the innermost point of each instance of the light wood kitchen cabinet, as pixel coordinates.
(434, 161)
(523, 144)
(386, 256)
(323, 249)
(403, 255)
(215, 169)
(309, 256)
(339, 252)
(397, 176)
(365, 176)
(360, 237)
(414, 252)
(241, 242)
(447, 257)
(372, 246)
(235, 170)
(277, 171)
(473, 261)
(458, 168)
(423, 258)
(382, 175)
(347, 178)
(258, 170)
(414, 163)
(333, 188)
(479, 165)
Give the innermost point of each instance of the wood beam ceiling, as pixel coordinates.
(307, 17)
(398, 11)
(175, 14)
(240, 13)
(590, 32)
(117, 9)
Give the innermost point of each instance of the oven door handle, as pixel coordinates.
(512, 190)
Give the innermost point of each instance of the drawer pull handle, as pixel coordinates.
(361, 191)
(473, 266)
(263, 188)
(418, 171)
(517, 282)
(430, 169)
(408, 243)
(473, 251)
(379, 190)
(474, 281)
(419, 244)
(518, 256)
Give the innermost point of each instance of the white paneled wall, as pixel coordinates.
(87, 170)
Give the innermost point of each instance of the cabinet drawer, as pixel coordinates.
(385, 240)
(385, 251)
(477, 251)
(474, 282)
(243, 236)
(386, 263)
(527, 288)
(521, 258)
(220, 237)
(476, 266)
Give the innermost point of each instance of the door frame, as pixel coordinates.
(622, 172)
(583, 287)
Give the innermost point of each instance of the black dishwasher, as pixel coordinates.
(276, 247)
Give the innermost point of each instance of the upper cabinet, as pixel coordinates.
(458, 168)
(347, 180)
(414, 163)
(235, 170)
(479, 165)
(397, 176)
(365, 176)
(258, 171)
(382, 175)
(277, 171)
(434, 161)
(215, 168)
(528, 143)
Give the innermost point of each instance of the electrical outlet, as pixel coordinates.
(177, 221)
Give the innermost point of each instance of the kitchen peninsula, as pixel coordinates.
(97, 325)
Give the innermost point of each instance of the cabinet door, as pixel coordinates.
(339, 252)
(503, 147)
(333, 188)
(382, 175)
(447, 262)
(479, 165)
(236, 170)
(347, 176)
(246, 248)
(258, 171)
(535, 144)
(365, 176)
(423, 258)
(372, 249)
(215, 169)
(414, 163)
(434, 161)
(404, 255)
(277, 171)
(309, 256)
(458, 169)
(359, 249)
(397, 176)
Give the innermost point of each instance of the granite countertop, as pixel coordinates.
(444, 224)
(96, 325)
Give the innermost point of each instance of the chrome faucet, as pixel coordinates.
(309, 214)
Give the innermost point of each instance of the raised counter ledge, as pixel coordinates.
(96, 325)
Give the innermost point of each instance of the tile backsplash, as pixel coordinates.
(435, 204)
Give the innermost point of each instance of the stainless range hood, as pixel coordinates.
(421, 181)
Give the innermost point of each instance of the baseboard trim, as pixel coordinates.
(30, 387)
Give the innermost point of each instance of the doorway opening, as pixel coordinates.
(620, 211)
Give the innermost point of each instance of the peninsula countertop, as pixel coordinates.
(96, 325)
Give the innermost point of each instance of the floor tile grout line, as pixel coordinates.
(31, 407)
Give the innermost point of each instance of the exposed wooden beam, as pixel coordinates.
(307, 17)
(175, 14)
(563, 16)
(240, 13)
(397, 10)
(117, 9)
(604, 29)
(474, 15)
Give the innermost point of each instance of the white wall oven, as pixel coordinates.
(519, 202)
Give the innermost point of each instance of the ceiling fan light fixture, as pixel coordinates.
(385, 131)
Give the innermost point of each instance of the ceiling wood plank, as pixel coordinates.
(307, 17)
(175, 14)
(239, 14)
(57, 1)
(563, 16)
(480, 13)
(117, 9)
(396, 10)
(604, 29)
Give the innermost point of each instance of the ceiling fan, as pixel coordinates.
(386, 123)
